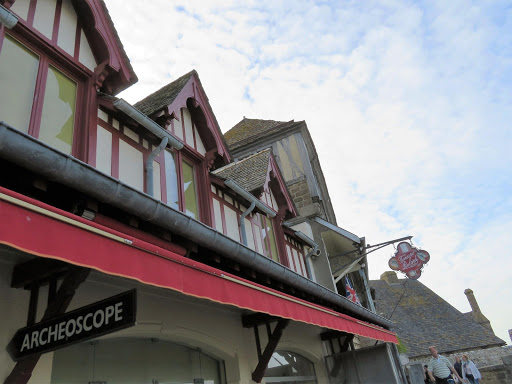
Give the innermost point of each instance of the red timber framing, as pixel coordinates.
(187, 154)
(193, 97)
(113, 73)
(119, 254)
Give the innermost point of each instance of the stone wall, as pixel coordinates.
(300, 194)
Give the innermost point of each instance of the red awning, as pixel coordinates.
(42, 230)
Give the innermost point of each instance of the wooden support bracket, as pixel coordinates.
(23, 369)
(265, 357)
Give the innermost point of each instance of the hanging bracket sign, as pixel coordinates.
(103, 317)
(409, 260)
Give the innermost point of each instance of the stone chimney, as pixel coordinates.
(389, 277)
(477, 314)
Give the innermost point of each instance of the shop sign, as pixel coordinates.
(103, 317)
(409, 260)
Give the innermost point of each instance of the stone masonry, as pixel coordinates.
(300, 194)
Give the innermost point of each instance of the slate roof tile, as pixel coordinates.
(247, 130)
(423, 319)
(250, 173)
(164, 96)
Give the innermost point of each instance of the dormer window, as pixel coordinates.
(181, 184)
(39, 99)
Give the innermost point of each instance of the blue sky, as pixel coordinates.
(409, 105)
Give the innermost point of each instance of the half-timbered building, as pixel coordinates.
(99, 197)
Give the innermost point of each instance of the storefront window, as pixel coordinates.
(289, 367)
(137, 361)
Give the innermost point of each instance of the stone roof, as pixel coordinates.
(249, 173)
(164, 96)
(423, 319)
(248, 130)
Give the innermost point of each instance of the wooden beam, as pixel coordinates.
(329, 335)
(259, 372)
(23, 369)
(249, 321)
(37, 271)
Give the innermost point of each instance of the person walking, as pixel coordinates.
(470, 371)
(439, 368)
(458, 365)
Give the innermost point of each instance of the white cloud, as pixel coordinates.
(409, 106)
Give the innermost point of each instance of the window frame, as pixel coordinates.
(48, 56)
(199, 171)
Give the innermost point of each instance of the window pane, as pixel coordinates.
(269, 239)
(289, 367)
(58, 118)
(189, 186)
(171, 180)
(18, 72)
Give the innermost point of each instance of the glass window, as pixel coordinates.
(269, 239)
(18, 73)
(58, 117)
(171, 181)
(289, 367)
(127, 361)
(189, 189)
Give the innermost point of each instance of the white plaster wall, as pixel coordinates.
(20, 7)
(104, 150)
(67, 27)
(44, 17)
(199, 143)
(305, 228)
(187, 122)
(166, 315)
(131, 166)
(231, 223)
(85, 55)
(217, 214)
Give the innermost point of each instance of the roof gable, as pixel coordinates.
(257, 173)
(248, 130)
(423, 318)
(187, 92)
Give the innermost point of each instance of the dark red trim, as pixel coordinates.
(115, 154)
(31, 12)
(78, 35)
(2, 35)
(56, 21)
(37, 105)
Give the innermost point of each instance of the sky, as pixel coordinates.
(409, 105)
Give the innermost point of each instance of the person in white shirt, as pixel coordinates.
(439, 368)
(470, 371)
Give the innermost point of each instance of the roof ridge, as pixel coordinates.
(168, 85)
(227, 166)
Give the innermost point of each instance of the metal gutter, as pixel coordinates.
(28, 152)
(7, 18)
(230, 183)
(147, 123)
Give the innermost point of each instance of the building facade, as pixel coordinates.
(99, 198)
